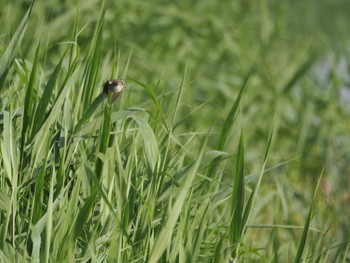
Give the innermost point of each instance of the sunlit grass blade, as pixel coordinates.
(10, 160)
(346, 253)
(49, 221)
(8, 56)
(9, 149)
(149, 142)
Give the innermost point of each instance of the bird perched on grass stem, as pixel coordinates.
(115, 86)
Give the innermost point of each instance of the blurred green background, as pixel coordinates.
(301, 52)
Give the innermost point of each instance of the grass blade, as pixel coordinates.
(104, 137)
(150, 143)
(177, 104)
(153, 96)
(236, 224)
(228, 124)
(83, 216)
(164, 238)
(218, 254)
(45, 99)
(39, 185)
(302, 241)
(299, 73)
(87, 114)
(253, 195)
(99, 188)
(8, 56)
(94, 59)
(28, 103)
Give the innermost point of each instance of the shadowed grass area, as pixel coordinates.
(214, 152)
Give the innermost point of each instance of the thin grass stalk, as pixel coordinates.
(346, 253)
(74, 48)
(303, 237)
(253, 196)
(228, 125)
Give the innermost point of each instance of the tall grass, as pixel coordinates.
(185, 166)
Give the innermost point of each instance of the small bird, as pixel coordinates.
(115, 86)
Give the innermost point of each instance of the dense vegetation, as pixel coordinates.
(230, 140)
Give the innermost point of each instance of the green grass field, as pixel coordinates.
(230, 142)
